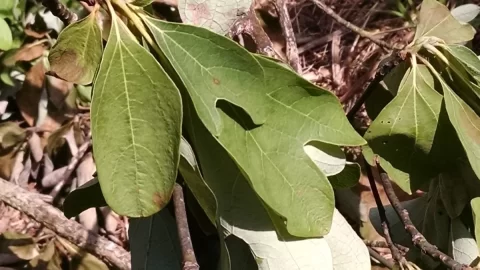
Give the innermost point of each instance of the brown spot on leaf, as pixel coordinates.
(157, 199)
(216, 81)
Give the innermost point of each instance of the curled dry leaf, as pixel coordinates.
(58, 91)
(25, 173)
(47, 164)
(18, 165)
(72, 144)
(27, 53)
(11, 134)
(110, 218)
(35, 145)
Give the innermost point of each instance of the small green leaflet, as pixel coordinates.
(436, 21)
(347, 178)
(284, 114)
(75, 203)
(136, 127)
(403, 133)
(78, 51)
(218, 16)
(5, 36)
(6, 8)
(467, 124)
(466, 57)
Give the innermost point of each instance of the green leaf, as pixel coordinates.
(136, 126)
(453, 192)
(467, 125)
(462, 244)
(211, 14)
(466, 13)
(6, 8)
(241, 213)
(403, 133)
(347, 178)
(76, 201)
(468, 59)
(141, 3)
(6, 39)
(78, 51)
(435, 20)
(475, 203)
(284, 114)
(154, 242)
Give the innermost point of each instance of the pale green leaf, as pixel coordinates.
(284, 114)
(6, 39)
(475, 204)
(6, 8)
(154, 242)
(435, 20)
(217, 16)
(136, 127)
(328, 158)
(241, 213)
(403, 133)
(347, 178)
(78, 51)
(466, 57)
(466, 13)
(462, 245)
(467, 125)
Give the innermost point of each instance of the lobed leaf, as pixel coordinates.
(270, 115)
(435, 20)
(136, 126)
(403, 133)
(77, 53)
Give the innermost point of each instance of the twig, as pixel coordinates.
(291, 44)
(249, 24)
(382, 244)
(397, 256)
(380, 258)
(53, 219)
(188, 255)
(60, 10)
(359, 31)
(417, 238)
(70, 168)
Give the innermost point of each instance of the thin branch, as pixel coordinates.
(249, 24)
(291, 43)
(60, 10)
(66, 177)
(53, 219)
(354, 28)
(397, 256)
(188, 255)
(417, 238)
(382, 244)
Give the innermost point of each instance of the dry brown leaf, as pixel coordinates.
(32, 33)
(47, 164)
(35, 146)
(26, 53)
(72, 143)
(58, 91)
(18, 165)
(25, 174)
(20, 245)
(111, 219)
(89, 219)
(7, 160)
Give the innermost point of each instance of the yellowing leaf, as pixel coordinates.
(270, 115)
(11, 134)
(404, 131)
(136, 126)
(475, 203)
(78, 51)
(435, 20)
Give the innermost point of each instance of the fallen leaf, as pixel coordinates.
(21, 245)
